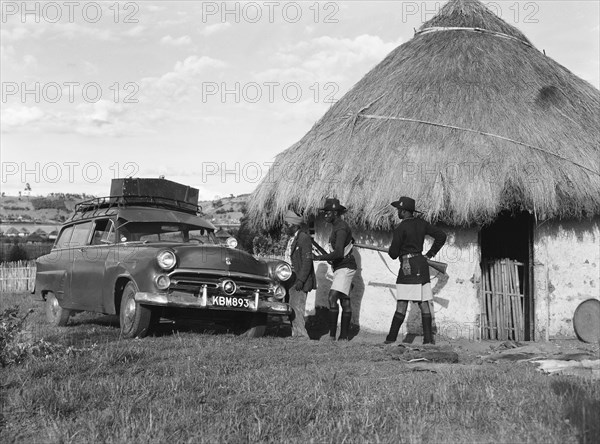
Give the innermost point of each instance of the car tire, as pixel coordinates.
(252, 325)
(55, 314)
(134, 319)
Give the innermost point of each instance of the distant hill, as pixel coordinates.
(54, 208)
(225, 211)
(57, 207)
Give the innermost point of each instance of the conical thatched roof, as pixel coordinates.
(467, 117)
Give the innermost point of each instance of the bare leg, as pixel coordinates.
(346, 317)
(333, 313)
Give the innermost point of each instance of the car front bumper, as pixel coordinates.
(179, 299)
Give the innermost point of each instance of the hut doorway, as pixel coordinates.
(507, 277)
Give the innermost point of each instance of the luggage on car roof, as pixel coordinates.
(159, 188)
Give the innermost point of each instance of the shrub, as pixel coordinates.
(43, 202)
(261, 242)
(11, 327)
(268, 245)
(16, 253)
(16, 345)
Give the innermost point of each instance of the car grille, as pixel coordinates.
(192, 281)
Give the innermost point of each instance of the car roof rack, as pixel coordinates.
(103, 205)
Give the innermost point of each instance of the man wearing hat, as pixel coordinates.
(413, 283)
(344, 267)
(299, 254)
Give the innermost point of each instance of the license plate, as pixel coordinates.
(230, 301)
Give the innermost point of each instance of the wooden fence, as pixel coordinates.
(17, 276)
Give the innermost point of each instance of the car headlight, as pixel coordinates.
(166, 259)
(162, 281)
(278, 292)
(283, 271)
(231, 242)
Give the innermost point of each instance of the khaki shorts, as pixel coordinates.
(342, 280)
(414, 292)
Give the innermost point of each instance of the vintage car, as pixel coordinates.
(144, 254)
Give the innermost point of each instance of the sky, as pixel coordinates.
(207, 93)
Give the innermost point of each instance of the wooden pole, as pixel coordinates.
(512, 318)
(502, 286)
(485, 321)
(495, 296)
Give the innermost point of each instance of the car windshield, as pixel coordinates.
(165, 232)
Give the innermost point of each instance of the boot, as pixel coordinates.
(333, 318)
(394, 328)
(345, 327)
(427, 329)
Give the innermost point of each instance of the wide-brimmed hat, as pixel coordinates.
(405, 203)
(332, 204)
(293, 218)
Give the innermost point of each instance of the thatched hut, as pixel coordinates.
(496, 141)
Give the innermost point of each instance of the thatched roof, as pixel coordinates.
(467, 117)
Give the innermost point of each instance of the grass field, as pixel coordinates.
(82, 383)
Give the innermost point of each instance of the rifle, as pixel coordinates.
(440, 267)
(320, 249)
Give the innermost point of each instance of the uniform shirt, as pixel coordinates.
(341, 235)
(409, 237)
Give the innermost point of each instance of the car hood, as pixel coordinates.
(214, 257)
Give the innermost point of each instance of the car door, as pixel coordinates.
(89, 266)
(81, 269)
(54, 269)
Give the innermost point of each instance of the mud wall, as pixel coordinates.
(566, 273)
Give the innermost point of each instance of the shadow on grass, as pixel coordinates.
(317, 325)
(581, 408)
(276, 327)
(81, 331)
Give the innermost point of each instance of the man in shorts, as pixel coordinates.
(344, 267)
(413, 283)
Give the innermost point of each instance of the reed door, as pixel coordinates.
(503, 304)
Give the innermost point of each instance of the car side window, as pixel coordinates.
(80, 235)
(104, 232)
(64, 238)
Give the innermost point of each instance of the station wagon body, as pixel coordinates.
(144, 258)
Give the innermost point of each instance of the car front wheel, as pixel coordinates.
(55, 314)
(135, 319)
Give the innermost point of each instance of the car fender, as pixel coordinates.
(51, 281)
(115, 280)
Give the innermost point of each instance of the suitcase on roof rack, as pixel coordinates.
(157, 188)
